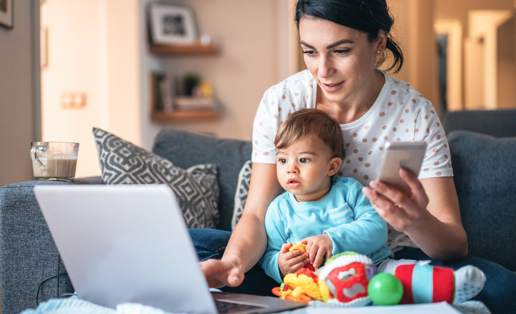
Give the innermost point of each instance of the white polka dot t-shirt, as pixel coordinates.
(399, 113)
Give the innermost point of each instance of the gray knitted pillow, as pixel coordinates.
(244, 177)
(196, 188)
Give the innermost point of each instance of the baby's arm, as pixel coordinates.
(367, 233)
(275, 239)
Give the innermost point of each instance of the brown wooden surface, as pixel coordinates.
(185, 115)
(185, 49)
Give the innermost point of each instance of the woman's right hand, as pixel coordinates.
(224, 272)
(291, 261)
(248, 239)
(403, 210)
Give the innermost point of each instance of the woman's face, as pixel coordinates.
(341, 59)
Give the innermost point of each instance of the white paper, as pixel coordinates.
(431, 308)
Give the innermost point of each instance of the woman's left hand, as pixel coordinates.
(403, 210)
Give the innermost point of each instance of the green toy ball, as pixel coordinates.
(385, 289)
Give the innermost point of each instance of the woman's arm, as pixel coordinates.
(428, 214)
(248, 240)
(443, 236)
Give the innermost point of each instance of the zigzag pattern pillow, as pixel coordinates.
(196, 188)
(244, 178)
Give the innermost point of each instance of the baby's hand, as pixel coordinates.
(291, 261)
(319, 248)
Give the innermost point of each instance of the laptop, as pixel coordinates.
(129, 243)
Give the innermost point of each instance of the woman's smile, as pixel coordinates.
(331, 87)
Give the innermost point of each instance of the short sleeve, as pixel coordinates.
(265, 126)
(437, 161)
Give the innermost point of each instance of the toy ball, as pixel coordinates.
(346, 275)
(385, 289)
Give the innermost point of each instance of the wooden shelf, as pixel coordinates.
(185, 115)
(184, 49)
(158, 115)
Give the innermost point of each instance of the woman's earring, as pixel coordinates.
(380, 57)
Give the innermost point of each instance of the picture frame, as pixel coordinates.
(6, 14)
(172, 24)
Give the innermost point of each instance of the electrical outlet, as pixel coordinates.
(73, 100)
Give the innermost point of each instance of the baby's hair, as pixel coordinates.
(311, 122)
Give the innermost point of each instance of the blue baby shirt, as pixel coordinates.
(344, 213)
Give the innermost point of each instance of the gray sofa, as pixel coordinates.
(485, 172)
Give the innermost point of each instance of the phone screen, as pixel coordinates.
(408, 155)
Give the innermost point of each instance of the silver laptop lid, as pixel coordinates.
(126, 243)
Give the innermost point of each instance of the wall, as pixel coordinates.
(94, 48)
(485, 40)
(249, 33)
(453, 29)
(104, 53)
(474, 93)
(75, 64)
(412, 19)
(19, 92)
(124, 77)
(506, 56)
(257, 51)
(458, 9)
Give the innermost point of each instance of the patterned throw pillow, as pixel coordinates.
(196, 188)
(244, 177)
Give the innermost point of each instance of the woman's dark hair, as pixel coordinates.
(369, 16)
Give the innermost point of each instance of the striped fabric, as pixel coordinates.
(425, 283)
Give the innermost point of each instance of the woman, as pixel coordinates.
(344, 43)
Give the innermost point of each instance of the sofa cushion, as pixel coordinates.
(196, 188)
(499, 123)
(185, 149)
(28, 256)
(485, 172)
(244, 179)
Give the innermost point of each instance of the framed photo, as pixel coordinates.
(6, 13)
(172, 24)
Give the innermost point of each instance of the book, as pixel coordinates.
(167, 95)
(195, 103)
(156, 91)
(163, 92)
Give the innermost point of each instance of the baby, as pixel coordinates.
(326, 212)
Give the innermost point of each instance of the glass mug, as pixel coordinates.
(54, 160)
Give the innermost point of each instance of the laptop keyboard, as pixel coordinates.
(230, 307)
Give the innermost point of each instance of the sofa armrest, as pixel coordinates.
(88, 180)
(484, 172)
(28, 254)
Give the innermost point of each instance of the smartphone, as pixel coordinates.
(408, 155)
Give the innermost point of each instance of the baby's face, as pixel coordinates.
(305, 168)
